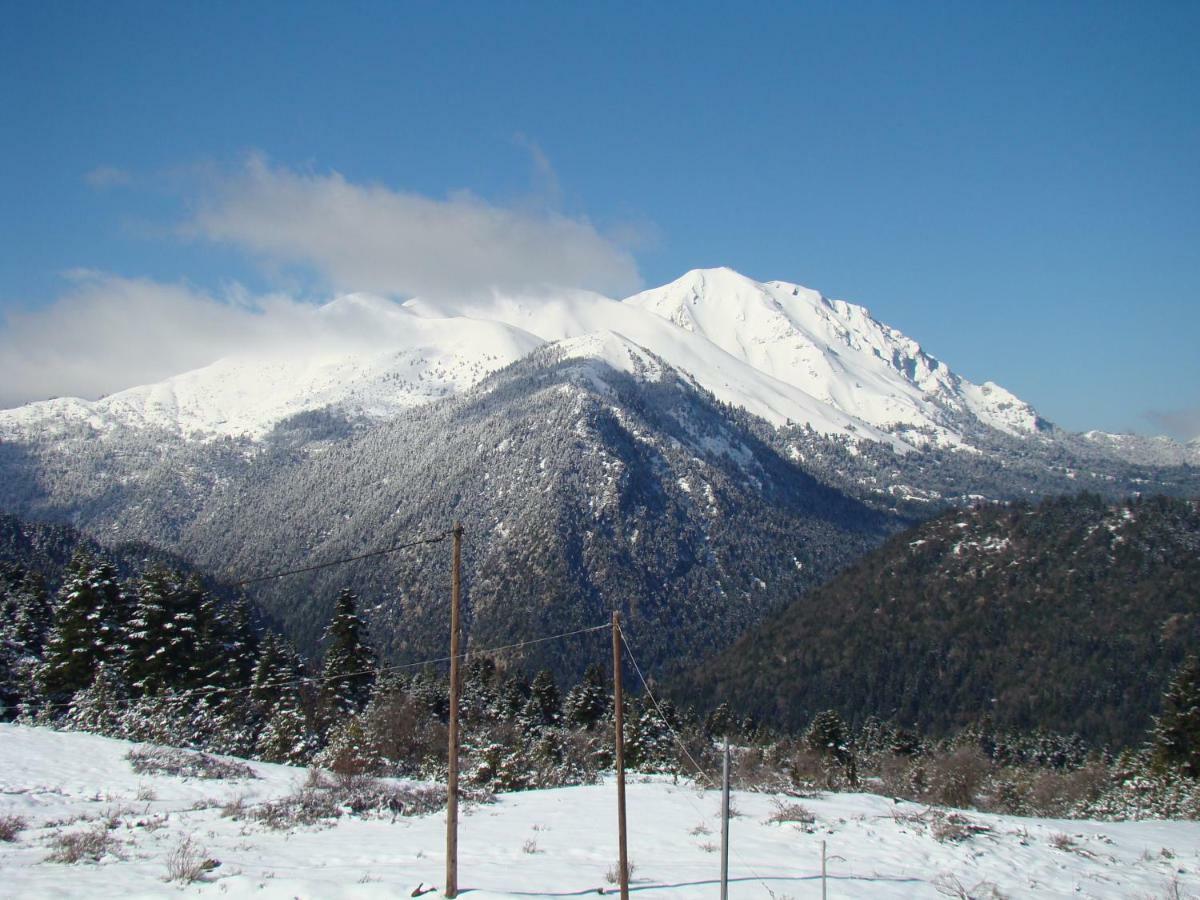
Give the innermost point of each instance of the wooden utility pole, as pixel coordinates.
(725, 824)
(619, 708)
(452, 772)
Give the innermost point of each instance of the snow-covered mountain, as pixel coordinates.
(780, 351)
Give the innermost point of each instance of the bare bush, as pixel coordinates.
(10, 827)
(953, 828)
(948, 885)
(188, 862)
(404, 732)
(613, 875)
(1064, 842)
(77, 846)
(791, 812)
(956, 779)
(185, 764)
(323, 798)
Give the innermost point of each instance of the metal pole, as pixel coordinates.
(725, 824)
(452, 772)
(618, 706)
(822, 870)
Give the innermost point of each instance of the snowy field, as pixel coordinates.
(551, 843)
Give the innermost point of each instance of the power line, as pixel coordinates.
(678, 740)
(661, 714)
(337, 562)
(199, 693)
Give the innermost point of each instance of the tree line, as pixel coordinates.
(157, 657)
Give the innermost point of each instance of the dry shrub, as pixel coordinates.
(948, 885)
(809, 770)
(791, 812)
(185, 764)
(188, 862)
(10, 827)
(1064, 842)
(753, 769)
(403, 731)
(613, 875)
(1061, 793)
(953, 828)
(324, 798)
(76, 846)
(900, 776)
(955, 779)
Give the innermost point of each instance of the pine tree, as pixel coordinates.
(544, 707)
(719, 722)
(86, 628)
(349, 668)
(276, 708)
(25, 615)
(100, 707)
(1176, 734)
(150, 661)
(829, 738)
(587, 702)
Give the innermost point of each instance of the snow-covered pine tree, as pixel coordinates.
(1175, 738)
(829, 738)
(282, 732)
(24, 620)
(586, 703)
(150, 663)
(86, 629)
(100, 707)
(26, 609)
(544, 707)
(349, 669)
(226, 656)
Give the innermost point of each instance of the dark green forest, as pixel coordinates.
(1069, 615)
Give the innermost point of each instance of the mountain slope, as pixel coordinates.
(583, 488)
(1068, 616)
(836, 352)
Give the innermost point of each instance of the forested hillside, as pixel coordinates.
(1069, 615)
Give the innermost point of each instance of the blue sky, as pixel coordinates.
(1015, 185)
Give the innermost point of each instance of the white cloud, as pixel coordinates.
(372, 238)
(110, 333)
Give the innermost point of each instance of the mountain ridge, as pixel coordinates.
(783, 352)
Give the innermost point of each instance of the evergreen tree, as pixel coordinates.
(349, 668)
(544, 707)
(587, 702)
(25, 615)
(85, 630)
(1176, 735)
(100, 707)
(829, 738)
(151, 663)
(27, 611)
(277, 704)
(719, 722)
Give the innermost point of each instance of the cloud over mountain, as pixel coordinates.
(108, 333)
(368, 237)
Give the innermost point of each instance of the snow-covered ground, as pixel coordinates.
(551, 843)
